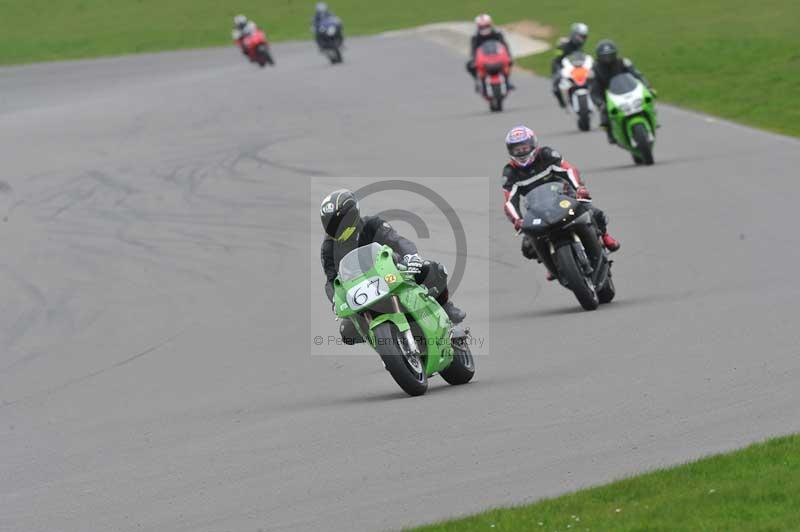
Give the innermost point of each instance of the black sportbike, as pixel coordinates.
(567, 240)
(330, 39)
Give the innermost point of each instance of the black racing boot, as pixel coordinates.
(559, 97)
(455, 314)
(349, 333)
(610, 135)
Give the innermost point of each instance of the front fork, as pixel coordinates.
(407, 334)
(581, 255)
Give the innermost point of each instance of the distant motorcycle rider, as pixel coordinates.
(321, 14)
(532, 164)
(345, 230)
(485, 31)
(606, 66)
(579, 33)
(242, 27)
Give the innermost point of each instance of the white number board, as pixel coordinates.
(367, 291)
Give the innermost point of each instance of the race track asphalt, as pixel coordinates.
(160, 290)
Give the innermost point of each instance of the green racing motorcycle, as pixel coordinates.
(401, 320)
(632, 116)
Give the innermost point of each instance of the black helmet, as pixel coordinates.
(339, 214)
(606, 51)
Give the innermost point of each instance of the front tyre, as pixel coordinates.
(642, 138)
(576, 281)
(407, 369)
(462, 368)
(584, 117)
(334, 55)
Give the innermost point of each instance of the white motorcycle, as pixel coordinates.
(575, 87)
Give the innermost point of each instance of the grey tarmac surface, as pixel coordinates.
(155, 367)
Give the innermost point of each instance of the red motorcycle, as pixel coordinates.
(493, 65)
(255, 46)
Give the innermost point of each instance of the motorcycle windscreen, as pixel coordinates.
(492, 47)
(329, 26)
(623, 84)
(577, 58)
(547, 205)
(358, 262)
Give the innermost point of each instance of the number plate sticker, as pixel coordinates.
(366, 292)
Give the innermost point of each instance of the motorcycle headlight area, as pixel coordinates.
(633, 107)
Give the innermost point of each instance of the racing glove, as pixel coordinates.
(413, 263)
(583, 194)
(517, 224)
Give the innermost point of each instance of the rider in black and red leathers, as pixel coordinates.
(530, 165)
(485, 32)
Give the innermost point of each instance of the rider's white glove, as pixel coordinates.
(413, 263)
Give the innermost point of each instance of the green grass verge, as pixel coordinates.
(754, 489)
(731, 58)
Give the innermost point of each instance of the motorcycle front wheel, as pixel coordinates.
(407, 368)
(642, 138)
(584, 117)
(576, 281)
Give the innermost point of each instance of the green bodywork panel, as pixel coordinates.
(622, 121)
(416, 305)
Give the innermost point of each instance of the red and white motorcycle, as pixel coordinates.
(575, 86)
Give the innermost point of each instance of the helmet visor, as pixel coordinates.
(522, 153)
(341, 225)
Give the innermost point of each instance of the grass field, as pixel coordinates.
(726, 57)
(755, 489)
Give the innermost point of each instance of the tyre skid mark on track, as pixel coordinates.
(89, 376)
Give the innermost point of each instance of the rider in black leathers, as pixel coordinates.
(606, 67)
(578, 34)
(345, 230)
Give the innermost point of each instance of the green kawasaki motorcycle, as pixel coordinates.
(632, 116)
(401, 320)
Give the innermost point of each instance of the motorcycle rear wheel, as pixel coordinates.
(607, 293)
(462, 368)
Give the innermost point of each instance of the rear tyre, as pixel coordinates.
(607, 293)
(407, 369)
(642, 138)
(637, 159)
(462, 368)
(570, 272)
(584, 117)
